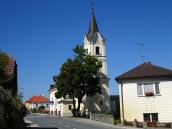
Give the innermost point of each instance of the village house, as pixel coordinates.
(145, 94)
(61, 107)
(37, 102)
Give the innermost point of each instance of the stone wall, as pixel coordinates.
(102, 118)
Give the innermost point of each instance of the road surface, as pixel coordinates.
(54, 122)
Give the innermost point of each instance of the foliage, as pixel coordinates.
(41, 107)
(3, 62)
(109, 113)
(117, 121)
(79, 76)
(14, 114)
(34, 110)
(7, 81)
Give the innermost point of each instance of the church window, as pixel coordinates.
(70, 107)
(86, 50)
(101, 103)
(97, 51)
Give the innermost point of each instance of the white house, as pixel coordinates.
(145, 94)
(36, 101)
(61, 107)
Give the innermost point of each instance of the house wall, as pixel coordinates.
(66, 111)
(37, 105)
(53, 106)
(58, 107)
(134, 106)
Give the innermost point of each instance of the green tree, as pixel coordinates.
(5, 80)
(3, 62)
(78, 77)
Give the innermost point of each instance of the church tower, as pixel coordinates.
(95, 44)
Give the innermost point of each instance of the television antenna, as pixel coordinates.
(142, 51)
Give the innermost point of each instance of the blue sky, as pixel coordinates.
(40, 34)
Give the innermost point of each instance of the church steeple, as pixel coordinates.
(95, 45)
(93, 32)
(93, 23)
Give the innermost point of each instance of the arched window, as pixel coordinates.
(97, 51)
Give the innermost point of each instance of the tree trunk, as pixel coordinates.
(78, 108)
(74, 108)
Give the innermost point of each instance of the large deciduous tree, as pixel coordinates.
(79, 76)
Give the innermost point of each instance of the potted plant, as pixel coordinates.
(149, 94)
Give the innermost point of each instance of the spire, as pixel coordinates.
(93, 23)
(93, 32)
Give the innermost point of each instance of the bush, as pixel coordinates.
(34, 110)
(117, 121)
(14, 114)
(109, 113)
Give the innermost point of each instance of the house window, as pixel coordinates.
(97, 51)
(157, 88)
(148, 89)
(150, 117)
(70, 107)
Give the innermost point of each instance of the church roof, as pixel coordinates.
(145, 70)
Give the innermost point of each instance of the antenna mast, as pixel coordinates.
(142, 51)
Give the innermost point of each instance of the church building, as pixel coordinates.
(95, 44)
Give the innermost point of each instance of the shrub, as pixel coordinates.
(109, 113)
(117, 121)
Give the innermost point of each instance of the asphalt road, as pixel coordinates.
(54, 122)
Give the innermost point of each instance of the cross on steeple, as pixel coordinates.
(92, 4)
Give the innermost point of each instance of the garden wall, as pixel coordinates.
(102, 118)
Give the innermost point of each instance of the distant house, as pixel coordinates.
(37, 102)
(145, 94)
(60, 106)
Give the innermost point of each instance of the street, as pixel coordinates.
(54, 122)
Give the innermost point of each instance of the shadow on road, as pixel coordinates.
(39, 128)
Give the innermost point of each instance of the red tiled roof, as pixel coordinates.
(145, 70)
(38, 99)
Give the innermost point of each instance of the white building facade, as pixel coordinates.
(61, 107)
(145, 94)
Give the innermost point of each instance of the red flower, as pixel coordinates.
(149, 94)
